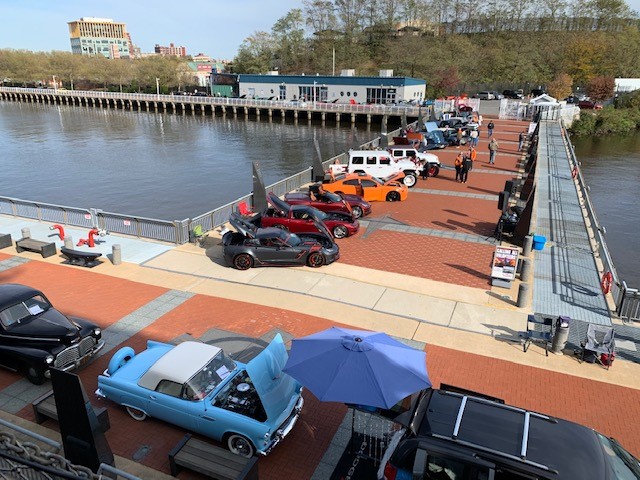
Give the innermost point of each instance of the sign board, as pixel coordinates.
(505, 260)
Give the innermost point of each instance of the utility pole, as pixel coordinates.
(157, 86)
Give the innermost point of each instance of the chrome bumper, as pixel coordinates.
(284, 430)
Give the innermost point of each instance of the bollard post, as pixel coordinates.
(523, 295)
(116, 254)
(527, 246)
(26, 233)
(525, 272)
(68, 242)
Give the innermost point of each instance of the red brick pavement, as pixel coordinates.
(548, 392)
(435, 258)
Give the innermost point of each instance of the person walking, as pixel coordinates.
(472, 154)
(493, 148)
(490, 126)
(474, 138)
(521, 138)
(458, 164)
(424, 173)
(467, 165)
(459, 137)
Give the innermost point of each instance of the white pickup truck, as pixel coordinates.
(381, 163)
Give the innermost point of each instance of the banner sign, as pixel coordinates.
(505, 260)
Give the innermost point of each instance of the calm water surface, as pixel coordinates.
(155, 165)
(611, 167)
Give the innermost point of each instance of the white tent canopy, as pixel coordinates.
(544, 100)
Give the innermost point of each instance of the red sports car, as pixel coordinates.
(300, 218)
(326, 201)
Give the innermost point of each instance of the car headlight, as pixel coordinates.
(97, 332)
(49, 360)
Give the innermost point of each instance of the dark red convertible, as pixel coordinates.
(300, 218)
(326, 201)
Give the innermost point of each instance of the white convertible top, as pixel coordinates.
(179, 364)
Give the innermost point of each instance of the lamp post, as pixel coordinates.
(55, 85)
(157, 86)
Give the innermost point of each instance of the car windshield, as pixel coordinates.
(332, 197)
(317, 213)
(292, 240)
(624, 465)
(209, 377)
(16, 313)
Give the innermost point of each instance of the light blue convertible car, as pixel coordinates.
(249, 407)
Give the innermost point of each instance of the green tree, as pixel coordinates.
(288, 34)
(256, 54)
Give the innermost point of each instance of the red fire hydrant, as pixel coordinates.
(60, 229)
(89, 241)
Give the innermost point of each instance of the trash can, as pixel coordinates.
(561, 335)
(539, 242)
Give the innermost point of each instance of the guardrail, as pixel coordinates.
(373, 109)
(628, 307)
(598, 231)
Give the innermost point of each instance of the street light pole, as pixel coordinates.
(314, 92)
(55, 85)
(157, 86)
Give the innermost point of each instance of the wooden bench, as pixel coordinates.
(5, 240)
(212, 461)
(45, 407)
(82, 259)
(46, 249)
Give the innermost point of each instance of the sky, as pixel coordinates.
(213, 27)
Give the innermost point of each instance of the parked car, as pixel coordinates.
(514, 94)
(379, 164)
(248, 407)
(588, 104)
(35, 337)
(326, 201)
(461, 434)
(370, 188)
(497, 95)
(536, 92)
(302, 218)
(453, 122)
(250, 246)
(486, 95)
(451, 136)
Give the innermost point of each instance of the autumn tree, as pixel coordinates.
(561, 86)
(601, 88)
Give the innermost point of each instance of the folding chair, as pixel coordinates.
(539, 330)
(600, 340)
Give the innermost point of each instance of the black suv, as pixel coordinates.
(516, 94)
(35, 337)
(454, 435)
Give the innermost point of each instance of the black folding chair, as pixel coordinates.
(539, 330)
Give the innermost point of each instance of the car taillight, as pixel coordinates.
(390, 471)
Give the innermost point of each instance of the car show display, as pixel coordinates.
(249, 407)
(370, 188)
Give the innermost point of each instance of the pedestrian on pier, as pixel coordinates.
(474, 137)
(467, 165)
(521, 138)
(424, 173)
(490, 128)
(458, 164)
(493, 148)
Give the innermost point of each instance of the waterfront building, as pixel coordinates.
(100, 36)
(346, 88)
(170, 51)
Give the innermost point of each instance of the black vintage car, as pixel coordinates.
(35, 337)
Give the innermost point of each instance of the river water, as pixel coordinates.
(172, 166)
(611, 167)
(155, 165)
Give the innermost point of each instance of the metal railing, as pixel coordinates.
(628, 306)
(374, 109)
(597, 230)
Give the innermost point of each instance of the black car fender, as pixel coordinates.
(20, 353)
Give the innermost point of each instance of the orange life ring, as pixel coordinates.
(607, 281)
(574, 172)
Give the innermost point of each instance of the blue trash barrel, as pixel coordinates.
(539, 242)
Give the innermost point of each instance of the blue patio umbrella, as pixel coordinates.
(357, 367)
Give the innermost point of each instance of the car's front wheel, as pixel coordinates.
(393, 197)
(409, 180)
(240, 445)
(35, 374)
(136, 414)
(340, 231)
(315, 260)
(356, 211)
(243, 261)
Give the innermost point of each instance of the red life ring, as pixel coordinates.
(574, 172)
(607, 281)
